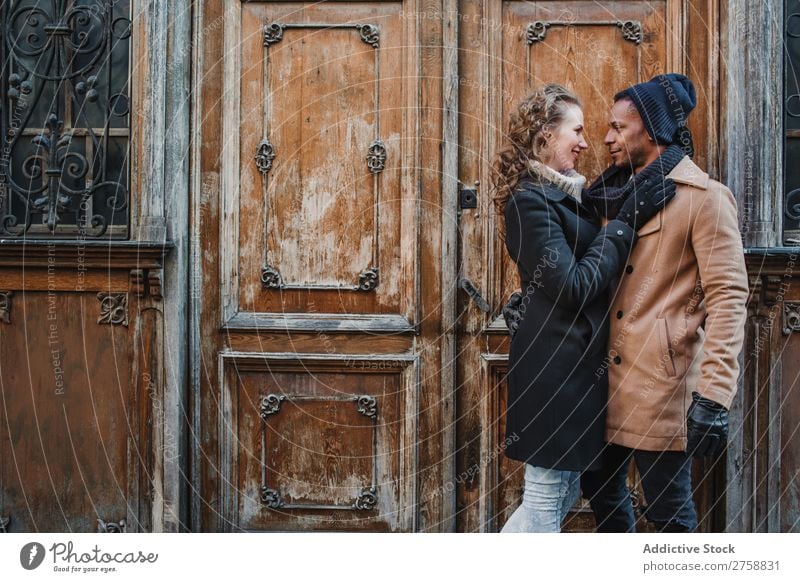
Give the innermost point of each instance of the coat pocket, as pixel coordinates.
(596, 332)
(667, 351)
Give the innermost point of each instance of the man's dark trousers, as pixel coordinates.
(667, 482)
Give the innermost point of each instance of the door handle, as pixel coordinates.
(473, 293)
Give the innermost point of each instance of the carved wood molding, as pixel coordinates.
(113, 308)
(273, 32)
(376, 155)
(771, 274)
(317, 322)
(84, 254)
(773, 288)
(137, 282)
(791, 318)
(155, 283)
(783, 261)
(755, 453)
(319, 362)
(368, 280)
(270, 404)
(147, 283)
(265, 154)
(754, 298)
(120, 526)
(5, 306)
(632, 30)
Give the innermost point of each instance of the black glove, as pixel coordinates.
(648, 200)
(511, 312)
(706, 427)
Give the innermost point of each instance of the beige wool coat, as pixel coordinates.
(677, 316)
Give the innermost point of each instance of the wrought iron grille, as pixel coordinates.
(791, 117)
(65, 118)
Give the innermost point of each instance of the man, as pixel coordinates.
(676, 319)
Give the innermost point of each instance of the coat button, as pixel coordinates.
(629, 269)
(619, 315)
(617, 360)
(620, 233)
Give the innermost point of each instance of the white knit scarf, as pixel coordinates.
(570, 182)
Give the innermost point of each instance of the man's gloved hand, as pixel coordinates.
(706, 427)
(647, 201)
(511, 312)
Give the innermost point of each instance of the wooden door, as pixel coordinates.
(507, 48)
(320, 400)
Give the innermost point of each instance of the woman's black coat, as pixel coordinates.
(557, 379)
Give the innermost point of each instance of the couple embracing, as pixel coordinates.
(630, 316)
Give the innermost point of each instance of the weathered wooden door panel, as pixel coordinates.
(320, 405)
(75, 467)
(593, 48)
(322, 191)
(596, 49)
(80, 388)
(320, 445)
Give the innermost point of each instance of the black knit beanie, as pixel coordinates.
(664, 103)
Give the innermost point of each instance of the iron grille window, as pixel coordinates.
(65, 118)
(791, 121)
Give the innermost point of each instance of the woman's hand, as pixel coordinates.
(511, 312)
(646, 201)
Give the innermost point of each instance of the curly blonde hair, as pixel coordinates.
(529, 126)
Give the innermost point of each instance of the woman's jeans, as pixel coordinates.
(548, 496)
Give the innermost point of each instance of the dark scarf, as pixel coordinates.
(610, 190)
